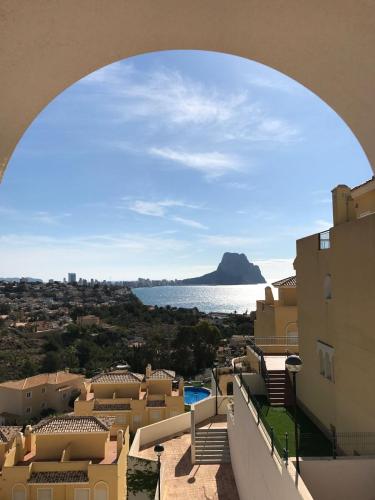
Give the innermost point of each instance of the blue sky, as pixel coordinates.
(156, 165)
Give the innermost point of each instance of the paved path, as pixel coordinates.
(183, 481)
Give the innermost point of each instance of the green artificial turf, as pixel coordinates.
(313, 442)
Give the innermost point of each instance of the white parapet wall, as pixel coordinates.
(345, 478)
(203, 410)
(259, 475)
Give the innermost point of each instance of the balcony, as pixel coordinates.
(324, 240)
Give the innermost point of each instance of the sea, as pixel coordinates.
(226, 299)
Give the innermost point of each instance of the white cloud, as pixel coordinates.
(189, 222)
(40, 217)
(176, 100)
(281, 84)
(121, 256)
(212, 164)
(147, 208)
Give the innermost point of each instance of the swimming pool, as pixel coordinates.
(194, 394)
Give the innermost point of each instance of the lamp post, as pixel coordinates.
(215, 368)
(158, 449)
(293, 364)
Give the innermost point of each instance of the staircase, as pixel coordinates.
(278, 388)
(211, 446)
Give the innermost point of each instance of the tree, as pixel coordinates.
(51, 362)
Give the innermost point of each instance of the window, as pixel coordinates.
(64, 395)
(155, 416)
(28, 395)
(44, 494)
(324, 240)
(321, 362)
(101, 491)
(326, 360)
(81, 494)
(19, 492)
(28, 409)
(327, 366)
(328, 287)
(43, 390)
(43, 405)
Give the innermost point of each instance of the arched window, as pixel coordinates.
(321, 362)
(19, 492)
(328, 287)
(101, 491)
(327, 363)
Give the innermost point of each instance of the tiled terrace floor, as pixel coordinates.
(182, 480)
(275, 362)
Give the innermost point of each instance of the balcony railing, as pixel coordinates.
(282, 341)
(324, 240)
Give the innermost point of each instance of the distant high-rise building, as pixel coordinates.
(72, 278)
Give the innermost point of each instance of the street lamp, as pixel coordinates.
(158, 449)
(215, 366)
(293, 364)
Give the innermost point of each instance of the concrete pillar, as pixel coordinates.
(120, 441)
(342, 205)
(269, 296)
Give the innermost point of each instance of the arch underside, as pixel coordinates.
(47, 46)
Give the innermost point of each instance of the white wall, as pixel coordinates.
(258, 474)
(256, 383)
(343, 478)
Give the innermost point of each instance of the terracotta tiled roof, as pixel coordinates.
(364, 183)
(162, 374)
(290, 282)
(8, 432)
(111, 406)
(74, 476)
(117, 376)
(71, 424)
(156, 403)
(41, 379)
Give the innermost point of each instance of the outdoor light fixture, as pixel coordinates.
(158, 449)
(293, 364)
(216, 383)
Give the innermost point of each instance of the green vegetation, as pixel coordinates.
(183, 340)
(313, 443)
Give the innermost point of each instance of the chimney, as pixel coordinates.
(20, 451)
(120, 441)
(269, 296)
(342, 204)
(148, 371)
(28, 438)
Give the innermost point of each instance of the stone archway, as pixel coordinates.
(47, 46)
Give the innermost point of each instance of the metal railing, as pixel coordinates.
(310, 443)
(279, 341)
(281, 448)
(354, 443)
(324, 240)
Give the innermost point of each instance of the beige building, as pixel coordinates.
(336, 290)
(8, 434)
(23, 399)
(134, 399)
(278, 318)
(66, 458)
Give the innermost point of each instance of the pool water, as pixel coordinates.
(194, 394)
